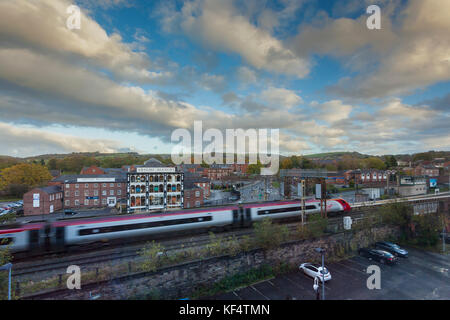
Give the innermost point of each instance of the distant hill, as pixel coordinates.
(336, 155)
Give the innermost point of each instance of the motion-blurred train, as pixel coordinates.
(58, 235)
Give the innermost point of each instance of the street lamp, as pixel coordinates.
(8, 266)
(322, 252)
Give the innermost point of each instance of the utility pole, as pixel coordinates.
(303, 189)
(8, 267)
(322, 251)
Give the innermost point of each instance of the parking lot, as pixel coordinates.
(424, 275)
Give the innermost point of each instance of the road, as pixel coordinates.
(424, 275)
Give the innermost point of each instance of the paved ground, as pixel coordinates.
(60, 215)
(423, 275)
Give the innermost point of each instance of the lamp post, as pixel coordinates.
(8, 267)
(322, 251)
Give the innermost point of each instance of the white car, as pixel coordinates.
(314, 270)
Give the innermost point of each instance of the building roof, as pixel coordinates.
(190, 185)
(72, 178)
(152, 162)
(51, 189)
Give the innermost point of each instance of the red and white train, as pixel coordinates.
(60, 234)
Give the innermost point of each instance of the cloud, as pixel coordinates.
(332, 111)
(219, 26)
(246, 75)
(41, 25)
(410, 51)
(24, 141)
(280, 97)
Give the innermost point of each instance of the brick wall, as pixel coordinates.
(46, 201)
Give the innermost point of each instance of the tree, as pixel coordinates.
(254, 168)
(5, 257)
(390, 162)
(374, 163)
(52, 164)
(24, 174)
(269, 235)
(286, 164)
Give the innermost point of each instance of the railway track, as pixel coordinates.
(93, 259)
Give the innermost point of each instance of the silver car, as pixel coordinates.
(314, 270)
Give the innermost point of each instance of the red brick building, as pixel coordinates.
(45, 200)
(426, 170)
(193, 196)
(92, 170)
(91, 190)
(199, 181)
(217, 172)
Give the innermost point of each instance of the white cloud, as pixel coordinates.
(42, 25)
(219, 26)
(26, 141)
(411, 51)
(281, 97)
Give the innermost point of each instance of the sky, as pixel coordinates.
(136, 71)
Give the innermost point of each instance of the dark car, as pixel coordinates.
(70, 212)
(378, 255)
(392, 248)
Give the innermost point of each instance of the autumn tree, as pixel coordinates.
(24, 174)
(374, 163)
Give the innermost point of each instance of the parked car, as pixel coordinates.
(378, 255)
(392, 248)
(70, 212)
(314, 271)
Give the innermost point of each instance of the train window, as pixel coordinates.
(145, 225)
(284, 210)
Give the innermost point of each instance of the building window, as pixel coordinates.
(96, 202)
(86, 193)
(77, 193)
(119, 192)
(67, 193)
(67, 202)
(104, 185)
(104, 201)
(67, 186)
(197, 203)
(95, 185)
(103, 192)
(111, 185)
(95, 192)
(118, 184)
(86, 185)
(197, 193)
(111, 192)
(77, 186)
(86, 202)
(77, 202)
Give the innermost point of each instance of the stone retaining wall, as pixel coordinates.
(181, 280)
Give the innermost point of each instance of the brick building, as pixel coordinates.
(426, 170)
(217, 172)
(90, 190)
(199, 181)
(193, 195)
(45, 200)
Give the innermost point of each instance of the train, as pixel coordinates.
(59, 235)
